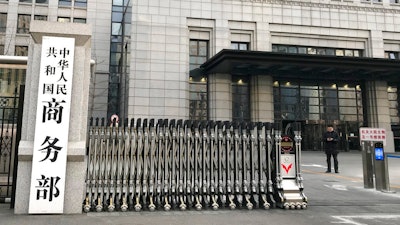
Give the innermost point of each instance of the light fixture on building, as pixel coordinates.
(346, 86)
(333, 86)
(389, 88)
(240, 81)
(203, 79)
(190, 78)
(276, 83)
(358, 87)
(288, 83)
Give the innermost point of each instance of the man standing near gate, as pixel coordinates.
(331, 139)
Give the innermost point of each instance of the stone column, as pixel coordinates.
(378, 110)
(262, 98)
(76, 159)
(220, 97)
(376, 44)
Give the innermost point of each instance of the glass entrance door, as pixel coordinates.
(312, 136)
(349, 135)
(312, 132)
(316, 104)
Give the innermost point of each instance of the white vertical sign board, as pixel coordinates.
(52, 125)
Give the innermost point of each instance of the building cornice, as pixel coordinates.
(346, 5)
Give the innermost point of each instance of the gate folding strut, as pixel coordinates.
(176, 164)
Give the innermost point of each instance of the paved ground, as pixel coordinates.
(333, 199)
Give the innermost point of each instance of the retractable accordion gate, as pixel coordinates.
(182, 164)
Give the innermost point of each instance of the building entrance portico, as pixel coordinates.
(315, 90)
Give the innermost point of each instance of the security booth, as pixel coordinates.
(314, 90)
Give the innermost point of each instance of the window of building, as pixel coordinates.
(371, 1)
(120, 17)
(27, 1)
(3, 22)
(198, 98)
(117, 16)
(79, 20)
(392, 55)
(65, 2)
(240, 98)
(21, 50)
(310, 50)
(317, 101)
(80, 3)
(198, 54)
(118, 2)
(394, 1)
(23, 24)
(119, 55)
(64, 19)
(116, 25)
(42, 1)
(1, 49)
(393, 92)
(240, 46)
(292, 49)
(116, 29)
(40, 17)
(339, 52)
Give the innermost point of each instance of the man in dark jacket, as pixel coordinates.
(331, 139)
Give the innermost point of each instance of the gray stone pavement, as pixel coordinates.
(333, 199)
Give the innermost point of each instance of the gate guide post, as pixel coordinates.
(73, 151)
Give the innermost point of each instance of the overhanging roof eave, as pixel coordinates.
(227, 61)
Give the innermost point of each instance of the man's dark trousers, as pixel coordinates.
(335, 161)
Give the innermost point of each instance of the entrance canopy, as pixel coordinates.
(300, 66)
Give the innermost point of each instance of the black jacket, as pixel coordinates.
(330, 146)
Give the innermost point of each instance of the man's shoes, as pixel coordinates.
(336, 171)
(328, 171)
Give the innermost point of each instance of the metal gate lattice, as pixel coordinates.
(176, 164)
(10, 115)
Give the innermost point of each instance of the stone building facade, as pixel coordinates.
(153, 57)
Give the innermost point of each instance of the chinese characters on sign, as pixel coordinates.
(52, 125)
(373, 134)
